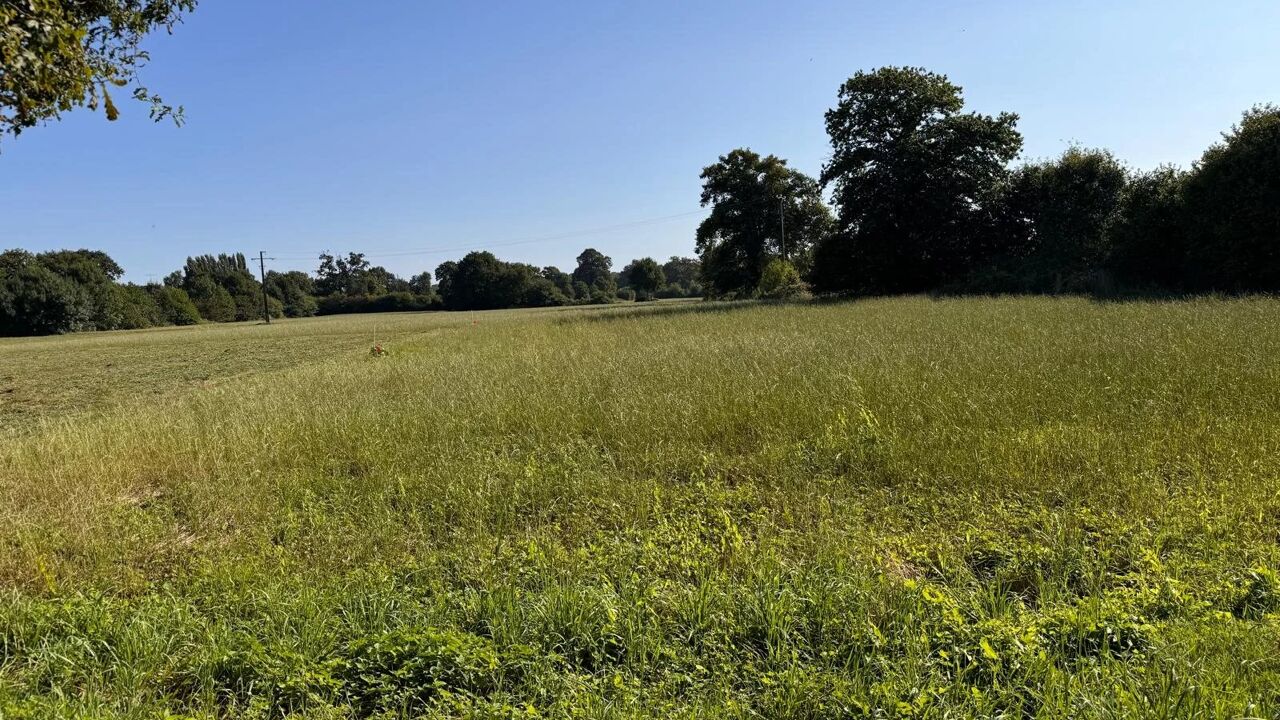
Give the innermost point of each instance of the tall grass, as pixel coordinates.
(905, 507)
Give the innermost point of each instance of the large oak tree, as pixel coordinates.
(914, 182)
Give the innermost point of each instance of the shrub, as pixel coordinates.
(781, 280)
(132, 308)
(543, 293)
(389, 302)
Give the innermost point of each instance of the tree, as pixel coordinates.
(342, 276)
(645, 277)
(56, 55)
(295, 291)
(211, 299)
(222, 287)
(752, 200)
(914, 182)
(92, 276)
(1233, 208)
(595, 270)
(74, 290)
(134, 307)
(480, 281)
(681, 274)
(560, 279)
(539, 291)
(379, 280)
(1148, 245)
(420, 284)
(34, 300)
(175, 305)
(475, 284)
(353, 276)
(444, 276)
(1062, 214)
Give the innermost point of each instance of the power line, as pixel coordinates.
(541, 238)
(524, 241)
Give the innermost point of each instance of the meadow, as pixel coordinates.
(901, 507)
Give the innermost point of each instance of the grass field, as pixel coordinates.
(890, 508)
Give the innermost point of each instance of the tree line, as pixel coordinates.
(925, 198)
(77, 290)
(918, 196)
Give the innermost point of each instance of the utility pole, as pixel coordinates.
(262, 268)
(782, 215)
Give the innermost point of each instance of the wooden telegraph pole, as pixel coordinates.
(262, 270)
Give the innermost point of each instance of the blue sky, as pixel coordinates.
(396, 126)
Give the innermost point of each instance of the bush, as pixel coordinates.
(543, 293)
(389, 302)
(133, 308)
(627, 294)
(780, 280)
(300, 306)
(677, 290)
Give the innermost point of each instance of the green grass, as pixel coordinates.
(892, 508)
(50, 377)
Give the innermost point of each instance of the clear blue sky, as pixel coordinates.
(394, 126)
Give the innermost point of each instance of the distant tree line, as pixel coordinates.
(76, 290)
(925, 199)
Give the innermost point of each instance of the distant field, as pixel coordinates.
(891, 508)
(51, 377)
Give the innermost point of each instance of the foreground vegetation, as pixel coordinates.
(891, 508)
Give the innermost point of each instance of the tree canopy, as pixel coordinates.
(56, 55)
(73, 290)
(1058, 218)
(595, 270)
(753, 199)
(1233, 208)
(480, 281)
(645, 276)
(914, 180)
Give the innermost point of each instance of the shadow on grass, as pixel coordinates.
(614, 313)
(704, 307)
(695, 307)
